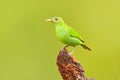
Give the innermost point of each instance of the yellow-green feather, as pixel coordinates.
(67, 34)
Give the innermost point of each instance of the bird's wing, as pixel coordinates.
(75, 34)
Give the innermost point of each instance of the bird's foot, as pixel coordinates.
(72, 51)
(64, 47)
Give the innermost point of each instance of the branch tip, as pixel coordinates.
(69, 68)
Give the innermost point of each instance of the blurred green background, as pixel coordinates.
(28, 46)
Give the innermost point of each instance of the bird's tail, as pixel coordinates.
(85, 47)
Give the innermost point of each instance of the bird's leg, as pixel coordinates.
(73, 50)
(64, 47)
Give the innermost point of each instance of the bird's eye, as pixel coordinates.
(56, 19)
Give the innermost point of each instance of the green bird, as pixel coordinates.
(67, 34)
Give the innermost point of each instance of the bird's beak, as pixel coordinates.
(49, 20)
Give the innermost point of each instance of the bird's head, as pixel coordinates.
(56, 20)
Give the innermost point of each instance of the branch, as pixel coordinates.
(69, 68)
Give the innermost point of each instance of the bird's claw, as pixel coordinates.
(64, 47)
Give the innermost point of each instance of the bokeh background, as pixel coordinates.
(28, 46)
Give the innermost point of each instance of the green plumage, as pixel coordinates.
(66, 34)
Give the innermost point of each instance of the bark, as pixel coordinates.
(69, 68)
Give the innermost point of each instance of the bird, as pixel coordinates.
(67, 34)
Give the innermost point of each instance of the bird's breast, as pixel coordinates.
(62, 34)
